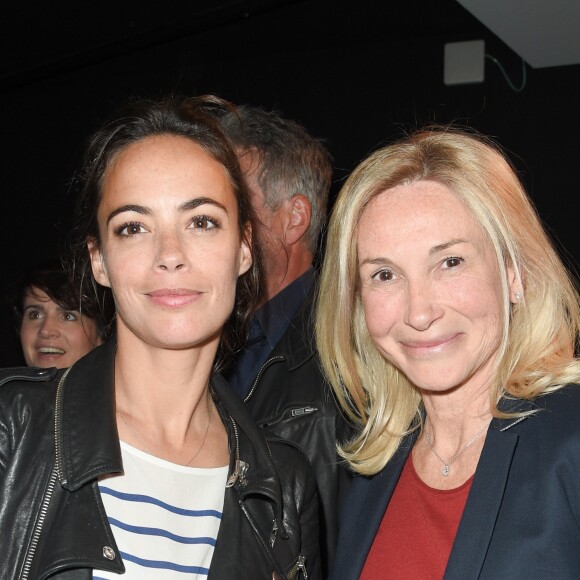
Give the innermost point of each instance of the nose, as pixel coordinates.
(423, 308)
(170, 252)
(49, 327)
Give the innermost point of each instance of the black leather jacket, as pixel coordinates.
(292, 399)
(58, 435)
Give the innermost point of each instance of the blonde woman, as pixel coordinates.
(447, 325)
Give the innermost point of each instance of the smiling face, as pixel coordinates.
(53, 336)
(170, 247)
(430, 287)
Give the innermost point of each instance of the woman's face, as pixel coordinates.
(430, 287)
(171, 249)
(53, 336)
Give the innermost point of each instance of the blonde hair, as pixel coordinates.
(539, 332)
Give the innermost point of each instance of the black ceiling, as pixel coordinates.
(42, 39)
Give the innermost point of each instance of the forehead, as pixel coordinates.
(34, 294)
(425, 211)
(167, 163)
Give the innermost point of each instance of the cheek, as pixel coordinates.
(380, 312)
(27, 333)
(476, 298)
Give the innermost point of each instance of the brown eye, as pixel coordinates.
(383, 276)
(204, 222)
(452, 262)
(130, 229)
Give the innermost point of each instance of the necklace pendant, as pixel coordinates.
(445, 470)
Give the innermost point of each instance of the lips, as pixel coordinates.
(434, 345)
(174, 297)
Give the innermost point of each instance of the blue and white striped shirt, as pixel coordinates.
(165, 517)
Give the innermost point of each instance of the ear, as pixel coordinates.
(515, 284)
(299, 213)
(98, 263)
(245, 252)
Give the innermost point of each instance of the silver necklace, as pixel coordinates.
(142, 440)
(446, 469)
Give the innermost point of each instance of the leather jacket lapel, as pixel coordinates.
(87, 441)
(247, 444)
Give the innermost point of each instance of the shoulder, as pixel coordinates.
(26, 375)
(554, 419)
(26, 383)
(562, 407)
(27, 396)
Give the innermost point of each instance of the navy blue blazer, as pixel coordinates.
(522, 516)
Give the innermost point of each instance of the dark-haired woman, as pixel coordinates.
(139, 459)
(54, 330)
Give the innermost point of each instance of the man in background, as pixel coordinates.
(278, 376)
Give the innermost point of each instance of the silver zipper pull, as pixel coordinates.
(302, 566)
(274, 533)
(240, 469)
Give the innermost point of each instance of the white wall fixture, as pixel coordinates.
(464, 62)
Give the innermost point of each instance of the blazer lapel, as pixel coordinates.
(481, 510)
(363, 513)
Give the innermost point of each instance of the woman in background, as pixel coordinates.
(54, 331)
(139, 459)
(447, 326)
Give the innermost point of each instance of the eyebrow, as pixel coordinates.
(446, 245)
(434, 250)
(35, 305)
(186, 206)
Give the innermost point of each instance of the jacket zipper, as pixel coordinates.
(300, 565)
(298, 412)
(58, 428)
(273, 533)
(38, 527)
(240, 470)
(56, 472)
(277, 358)
(240, 467)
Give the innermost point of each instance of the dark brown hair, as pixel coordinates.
(56, 283)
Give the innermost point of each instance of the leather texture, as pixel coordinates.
(522, 516)
(55, 442)
(292, 399)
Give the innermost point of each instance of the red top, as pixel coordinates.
(415, 537)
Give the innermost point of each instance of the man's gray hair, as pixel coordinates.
(291, 161)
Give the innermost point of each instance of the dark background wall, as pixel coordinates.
(356, 75)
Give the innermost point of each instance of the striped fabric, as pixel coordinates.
(165, 517)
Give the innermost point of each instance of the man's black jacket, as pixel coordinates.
(291, 398)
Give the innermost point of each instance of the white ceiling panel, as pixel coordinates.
(543, 32)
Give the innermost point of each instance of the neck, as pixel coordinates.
(161, 387)
(281, 272)
(448, 450)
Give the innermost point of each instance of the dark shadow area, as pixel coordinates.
(357, 76)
